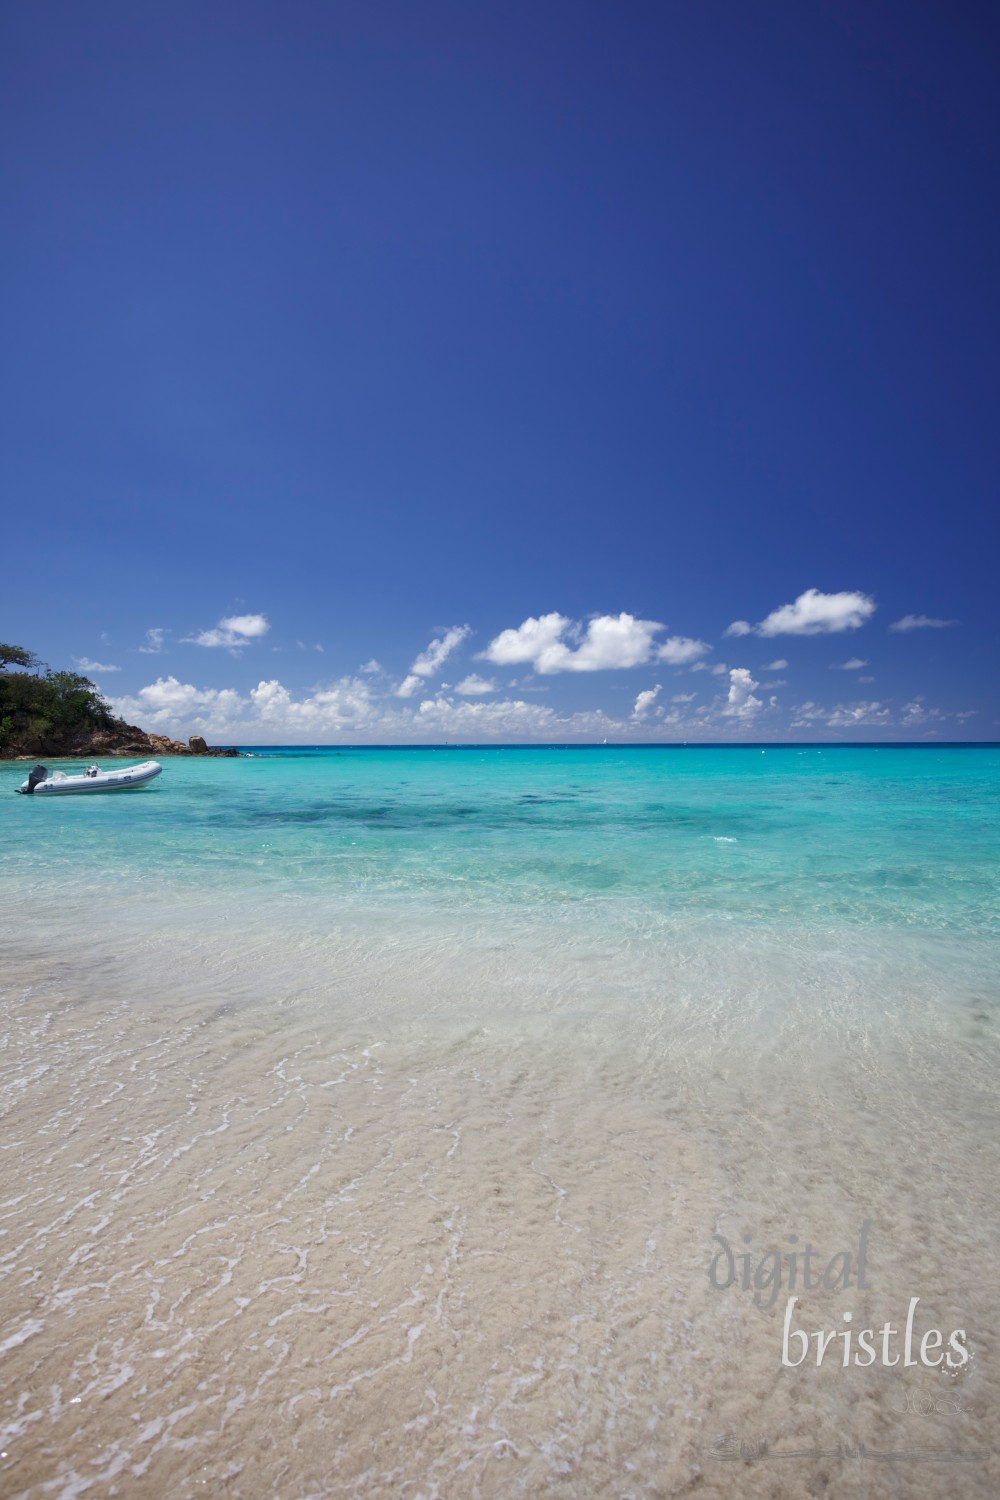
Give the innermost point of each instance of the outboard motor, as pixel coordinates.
(35, 777)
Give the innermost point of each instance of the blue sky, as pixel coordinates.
(379, 371)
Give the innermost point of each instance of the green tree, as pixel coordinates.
(17, 656)
(53, 705)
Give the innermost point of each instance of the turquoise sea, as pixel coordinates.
(372, 1117)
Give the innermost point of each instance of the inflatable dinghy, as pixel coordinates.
(121, 779)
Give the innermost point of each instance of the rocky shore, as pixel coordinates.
(114, 739)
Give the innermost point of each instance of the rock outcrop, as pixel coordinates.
(114, 739)
(195, 746)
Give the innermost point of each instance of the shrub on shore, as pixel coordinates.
(39, 704)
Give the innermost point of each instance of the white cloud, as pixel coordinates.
(968, 713)
(234, 632)
(364, 710)
(920, 622)
(645, 701)
(866, 679)
(719, 670)
(610, 642)
(351, 711)
(167, 701)
(775, 682)
(853, 665)
(348, 711)
(741, 703)
(531, 641)
(681, 649)
(917, 713)
(344, 707)
(814, 613)
(807, 713)
(432, 660)
(775, 666)
(504, 719)
(846, 716)
(247, 626)
(371, 666)
(154, 641)
(86, 665)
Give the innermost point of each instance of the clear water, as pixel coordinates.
(395, 1096)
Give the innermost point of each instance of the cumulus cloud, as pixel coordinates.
(609, 642)
(853, 665)
(776, 666)
(813, 613)
(530, 642)
(920, 622)
(234, 632)
(153, 641)
(86, 665)
(371, 666)
(364, 710)
(645, 701)
(741, 703)
(348, 711)
(168, 701)
(681, 649)
(613, 642)
(432, 660)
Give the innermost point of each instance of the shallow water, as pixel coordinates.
(368, 1118)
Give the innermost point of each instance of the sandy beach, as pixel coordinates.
(429, 1203)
